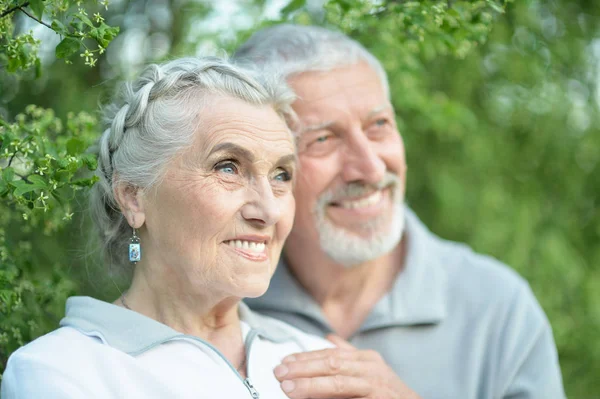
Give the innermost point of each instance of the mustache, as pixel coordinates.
(356, 189)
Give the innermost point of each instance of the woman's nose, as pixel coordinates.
(262, 206)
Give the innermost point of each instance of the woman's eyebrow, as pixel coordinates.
(233, 149)
(243, 153)
(289, 159)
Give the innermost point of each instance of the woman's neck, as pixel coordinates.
(212, 318)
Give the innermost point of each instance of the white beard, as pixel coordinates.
(382, 235)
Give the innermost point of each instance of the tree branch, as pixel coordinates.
(35, 19)
(15, 8)
(12, 157)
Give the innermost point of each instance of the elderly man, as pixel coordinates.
(446, 322)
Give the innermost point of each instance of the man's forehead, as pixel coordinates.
(315, 86)
(313, 122)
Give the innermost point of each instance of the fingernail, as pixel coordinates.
(281, 370)
(288, 386)
(290, 358)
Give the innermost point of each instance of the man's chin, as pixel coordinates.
(356, 244)
(367, 228)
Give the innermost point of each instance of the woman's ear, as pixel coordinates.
(131, 202)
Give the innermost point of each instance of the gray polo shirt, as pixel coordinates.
(455, 324)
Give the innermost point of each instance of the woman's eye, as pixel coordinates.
(283, 175)
(227, 167)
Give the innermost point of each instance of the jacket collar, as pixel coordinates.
(417, 297)
(134, 333)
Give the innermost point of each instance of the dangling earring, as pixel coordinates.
(135, 248)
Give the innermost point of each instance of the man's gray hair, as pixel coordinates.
(153, 119)
(289, 50)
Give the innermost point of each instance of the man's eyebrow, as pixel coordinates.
(233, 149)
(378, 109)
(318, 126)
(327, 124)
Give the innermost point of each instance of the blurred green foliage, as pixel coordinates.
(43, 164)
(497, 104)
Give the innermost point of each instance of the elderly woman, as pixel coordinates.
(196, 172)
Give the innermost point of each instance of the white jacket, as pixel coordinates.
(105, 351)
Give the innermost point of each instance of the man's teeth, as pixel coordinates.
(363, 202)
(250, 246)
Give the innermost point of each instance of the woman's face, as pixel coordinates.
(216, 224)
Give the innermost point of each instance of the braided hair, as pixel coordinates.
(155, 117)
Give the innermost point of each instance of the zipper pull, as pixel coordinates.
(250, 387)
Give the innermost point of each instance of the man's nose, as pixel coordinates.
(262, 206)
(362, 160)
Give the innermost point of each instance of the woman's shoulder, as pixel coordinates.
(58, 343)
(46, 361)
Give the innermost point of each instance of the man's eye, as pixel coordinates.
(381, 122)
(227, 167)
(321, 139)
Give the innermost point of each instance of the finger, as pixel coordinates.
(340, 342)
(327, 366)
(326, 387)
(364, 355)
(313, 354)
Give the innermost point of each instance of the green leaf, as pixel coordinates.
(104, 34)
(3, 188)
(75, 146)
(495, 6)
(345, 5)
(37, 6)
(8, 174)
(77, 25)
(293, 6)
(22, 187)
(38, 68)
(85, 20)
(59, 27)
(62, 176)
(67, 47)
(38, 180)
(98, 35)
(73, 167)
(86, 182)
(90, 160)
(59, 198)
(13, 64)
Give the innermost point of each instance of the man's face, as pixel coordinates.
(352, 173)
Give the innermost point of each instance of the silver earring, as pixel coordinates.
(135, 249)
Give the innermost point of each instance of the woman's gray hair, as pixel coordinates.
(154, 118)
(293, 49)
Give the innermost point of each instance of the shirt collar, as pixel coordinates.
(417, 297)
(134, 333)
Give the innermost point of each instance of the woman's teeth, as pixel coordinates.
(363, 202)
(250, 246)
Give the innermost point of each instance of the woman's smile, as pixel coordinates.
(250, 247)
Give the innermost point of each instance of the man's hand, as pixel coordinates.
(342, 372)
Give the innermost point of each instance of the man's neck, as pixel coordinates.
(346, 295)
